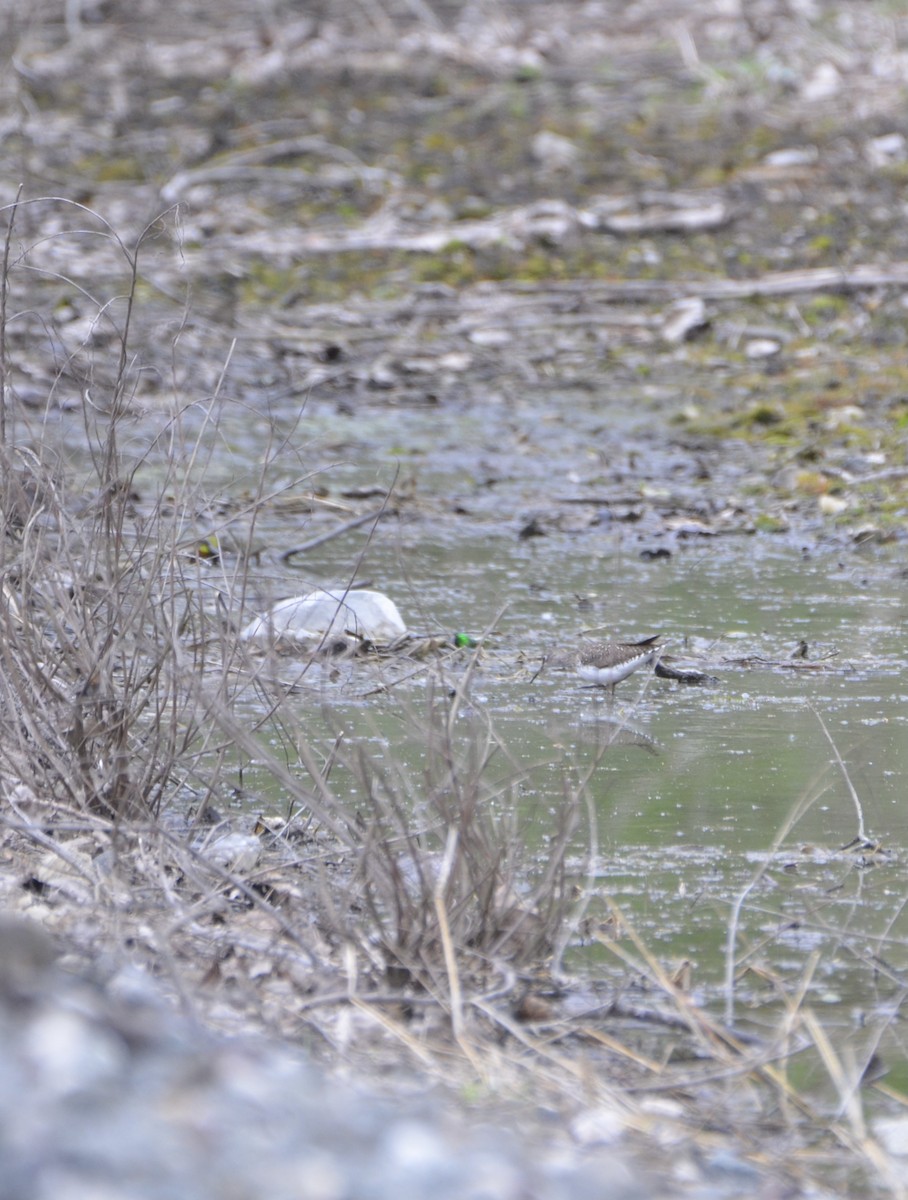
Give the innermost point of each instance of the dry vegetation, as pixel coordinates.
(411, 923)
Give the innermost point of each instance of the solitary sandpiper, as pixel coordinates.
(607, 663)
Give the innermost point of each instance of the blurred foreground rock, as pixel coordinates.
(107, 1094)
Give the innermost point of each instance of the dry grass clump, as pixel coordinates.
(101, 625)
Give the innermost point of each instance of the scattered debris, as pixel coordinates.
(683, 319)
(361, 616)
(689, 675)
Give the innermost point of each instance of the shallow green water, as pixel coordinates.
(691, 786)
